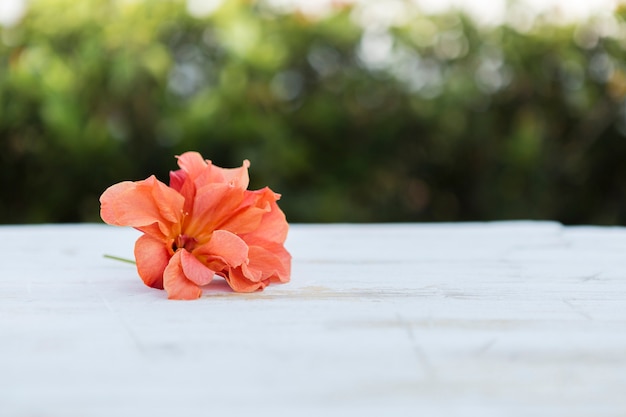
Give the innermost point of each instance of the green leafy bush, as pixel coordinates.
(421, 119)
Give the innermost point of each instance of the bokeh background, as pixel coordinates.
(360, 112)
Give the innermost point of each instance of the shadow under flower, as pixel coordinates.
(217, 286)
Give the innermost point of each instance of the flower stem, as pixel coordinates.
(117, 258)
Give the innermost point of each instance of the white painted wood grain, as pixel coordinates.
(494, 319)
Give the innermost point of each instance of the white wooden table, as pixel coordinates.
(501, 319)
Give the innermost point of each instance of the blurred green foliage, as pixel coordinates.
(424, 118)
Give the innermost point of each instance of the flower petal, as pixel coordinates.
(196, 169)
(194, 270)
(152, 258)
(273, 226)
(203, 172)
(192, 164)
(141, 203)
(185, 186)
(248, 217)
(225, 245)
(213, 203)
(237, 177)
(175, 282)
(264, 266)
(177, 179)
(283, 273)
(268, 261)
(240, 283)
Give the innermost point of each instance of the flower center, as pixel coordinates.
(184, 242)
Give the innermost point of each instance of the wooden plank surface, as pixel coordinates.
(515, 319)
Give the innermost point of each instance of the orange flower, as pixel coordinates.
(205, 223)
